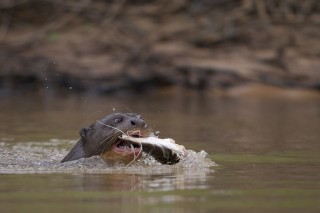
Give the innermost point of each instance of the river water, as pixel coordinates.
(249, 154)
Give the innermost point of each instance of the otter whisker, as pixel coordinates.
(105, 139)
(111, 127)
(112, 139)
(132, 148)
(135, 157)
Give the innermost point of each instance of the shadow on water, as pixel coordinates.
(267, 151)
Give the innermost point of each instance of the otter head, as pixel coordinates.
(102, 138)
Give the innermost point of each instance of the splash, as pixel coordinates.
(45, 157)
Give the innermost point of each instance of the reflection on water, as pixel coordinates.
(267, 150)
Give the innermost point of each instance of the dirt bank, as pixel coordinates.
(102, 47)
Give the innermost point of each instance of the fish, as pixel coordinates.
(164, 150)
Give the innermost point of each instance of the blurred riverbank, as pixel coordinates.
(106, 47)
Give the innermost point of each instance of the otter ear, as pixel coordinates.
(83, 132)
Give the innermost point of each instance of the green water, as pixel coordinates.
(268, 152)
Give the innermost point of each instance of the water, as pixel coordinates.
(45, 157)
(267, 151)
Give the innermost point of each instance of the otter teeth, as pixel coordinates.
(124, 147)
(127, 146)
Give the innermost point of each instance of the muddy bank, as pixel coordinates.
(100, 47)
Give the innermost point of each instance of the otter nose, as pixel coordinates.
(137, 122)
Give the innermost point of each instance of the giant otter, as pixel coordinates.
(103, 138)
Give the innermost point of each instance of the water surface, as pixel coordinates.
(267, 151)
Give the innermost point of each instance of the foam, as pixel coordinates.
(45, 157)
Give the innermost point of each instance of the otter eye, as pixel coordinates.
(117, 120)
